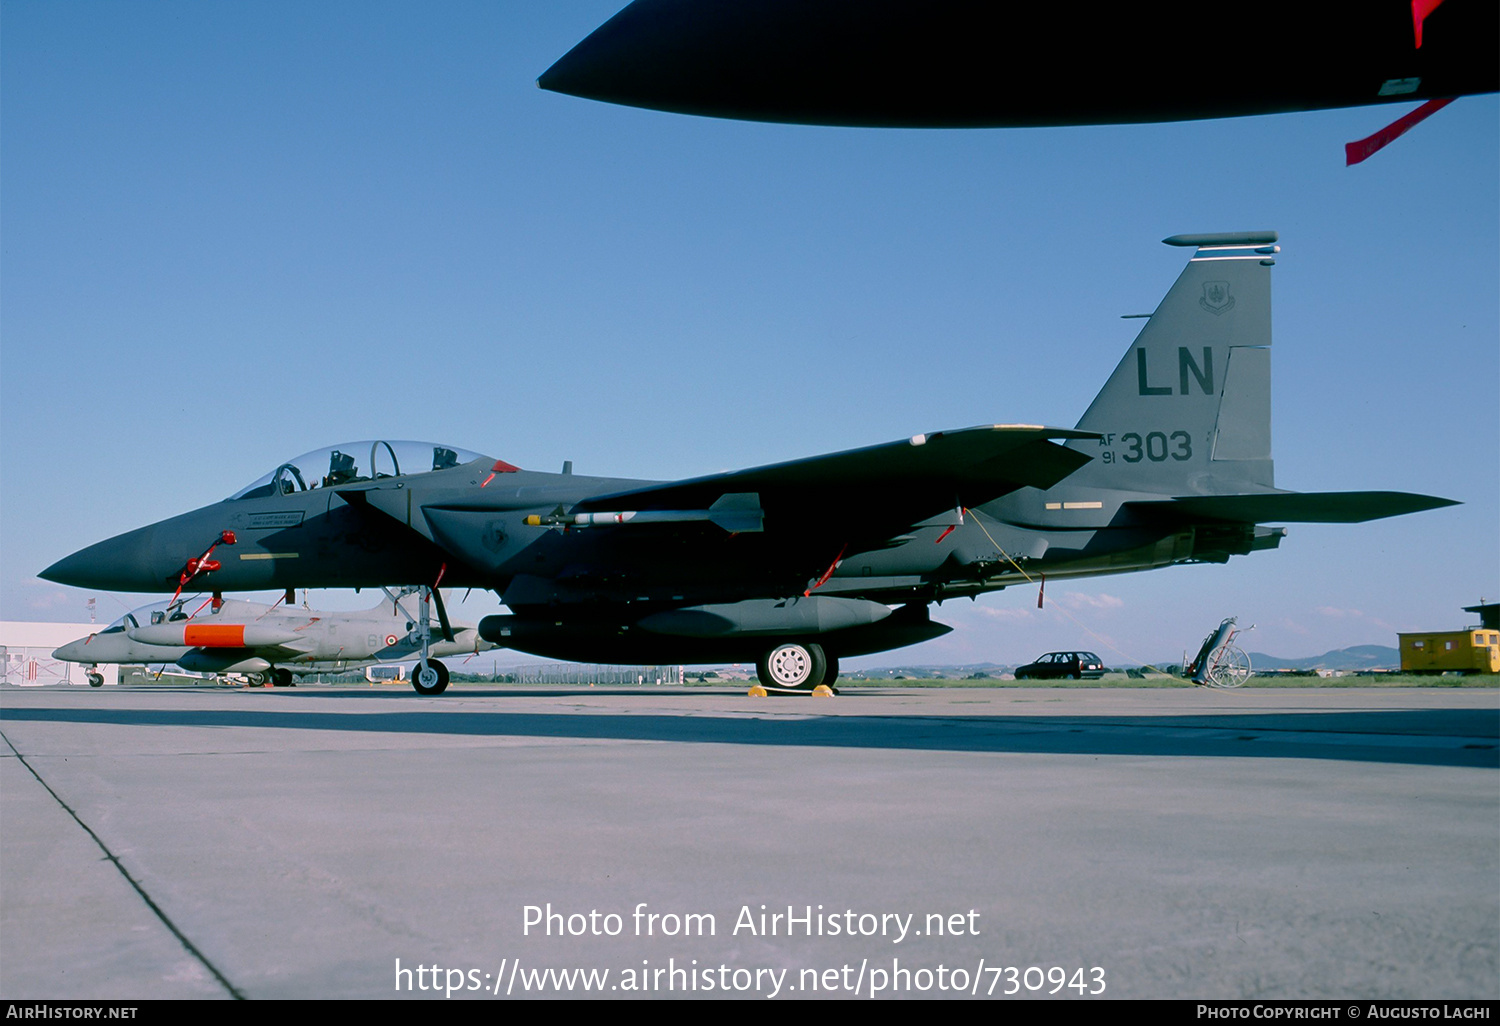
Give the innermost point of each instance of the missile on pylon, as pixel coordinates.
(736, 512)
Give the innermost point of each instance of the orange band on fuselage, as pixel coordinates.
(214, 635)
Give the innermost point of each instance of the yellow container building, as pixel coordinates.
(1473, 650)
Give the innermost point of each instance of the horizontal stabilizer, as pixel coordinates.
(1293, 507)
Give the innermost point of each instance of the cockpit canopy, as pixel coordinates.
(189, 607)
(355, 461)
(163, 611)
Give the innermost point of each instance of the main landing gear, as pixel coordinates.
(797, 667)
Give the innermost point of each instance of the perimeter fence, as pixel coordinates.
(590, 673)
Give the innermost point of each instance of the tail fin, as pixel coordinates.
(1188, 409)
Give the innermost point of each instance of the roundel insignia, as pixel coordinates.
(390, 639)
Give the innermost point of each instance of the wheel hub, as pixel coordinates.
(790, 665)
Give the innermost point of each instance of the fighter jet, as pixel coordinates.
(976, 63)
(794, 565)
(270, 642)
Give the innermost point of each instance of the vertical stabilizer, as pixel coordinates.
(1188, 409)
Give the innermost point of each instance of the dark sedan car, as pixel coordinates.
(1077, 665)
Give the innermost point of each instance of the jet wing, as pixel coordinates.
(1293, 507)
(788, 520)
(883, 488)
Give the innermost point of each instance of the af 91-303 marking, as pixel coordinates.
(1156, 446)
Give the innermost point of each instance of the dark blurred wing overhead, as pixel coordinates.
(970, 63)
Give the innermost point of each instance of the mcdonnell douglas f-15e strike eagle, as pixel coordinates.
(794, 565)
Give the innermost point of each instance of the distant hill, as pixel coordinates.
(1360, 657)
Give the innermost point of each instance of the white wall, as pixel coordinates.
(28, 651)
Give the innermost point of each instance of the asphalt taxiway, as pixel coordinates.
(1179, 843)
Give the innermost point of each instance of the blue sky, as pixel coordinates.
(231, 233)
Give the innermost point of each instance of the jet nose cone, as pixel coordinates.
(810, 61)
(122, 563)
(72, 652)
(577, 74)
(656, 54)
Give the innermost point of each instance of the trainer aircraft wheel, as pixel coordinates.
(96, 680)
(792, 667)
(430, 681)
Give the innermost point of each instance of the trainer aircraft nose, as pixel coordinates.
(74, 651)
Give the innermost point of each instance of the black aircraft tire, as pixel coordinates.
(435, 687)
(831, 669)
(282, 678)
(792, 667)
(96, 680)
